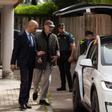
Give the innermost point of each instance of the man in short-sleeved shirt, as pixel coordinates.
(67, 46)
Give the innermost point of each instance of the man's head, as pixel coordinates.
(61, 27)
(89, 35)
(48, 26)
(32, 26)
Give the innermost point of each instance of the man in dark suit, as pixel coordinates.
(24, 53)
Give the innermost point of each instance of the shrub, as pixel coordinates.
(42, 9)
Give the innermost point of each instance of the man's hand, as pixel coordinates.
(41, 53)
(70, 59)
(39, 60)
(13, 67)
(54, 58)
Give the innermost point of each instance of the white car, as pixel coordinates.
(92, 79)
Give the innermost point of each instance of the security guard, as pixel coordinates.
(67, 46)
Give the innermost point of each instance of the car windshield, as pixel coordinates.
(106, 50)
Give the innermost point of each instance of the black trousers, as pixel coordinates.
(64, 68)
(25, 86)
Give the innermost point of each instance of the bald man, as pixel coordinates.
(24, 55)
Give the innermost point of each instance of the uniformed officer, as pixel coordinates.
(67, 47)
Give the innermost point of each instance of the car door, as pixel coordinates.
(88, 71)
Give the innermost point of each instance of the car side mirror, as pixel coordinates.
(86, 63)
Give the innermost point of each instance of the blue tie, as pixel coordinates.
(30, 39)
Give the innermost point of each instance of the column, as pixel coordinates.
(7, 20)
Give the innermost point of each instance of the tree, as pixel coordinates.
(44, 9)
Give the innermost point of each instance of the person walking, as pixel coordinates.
(23, 54)
(47, 54)
(67, 48)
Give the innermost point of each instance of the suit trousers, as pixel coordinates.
(25, 86)
(42, 78)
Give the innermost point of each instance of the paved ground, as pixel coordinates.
(60, 101)
(9, 91)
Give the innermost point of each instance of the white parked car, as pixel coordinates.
(92, 80)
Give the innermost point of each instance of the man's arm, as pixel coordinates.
(71, 40)
(15, 53)
(73, 49)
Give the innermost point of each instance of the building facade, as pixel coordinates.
(6, 34)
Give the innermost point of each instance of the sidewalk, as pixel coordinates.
(9, 92)
(60, 101)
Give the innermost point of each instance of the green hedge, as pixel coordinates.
(42, 9)
(108, 2)
(101, 1)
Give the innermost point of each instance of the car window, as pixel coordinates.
(90, 51)
(94, 57)
(106, 50)
(106, 54)
(93, 53)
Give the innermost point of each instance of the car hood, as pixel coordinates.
(106, 73)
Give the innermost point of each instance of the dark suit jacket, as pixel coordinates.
(23, 52)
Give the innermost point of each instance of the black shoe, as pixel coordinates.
(61, 89)
(43, 102)
(35, 95)
(22, 107)
(27, 106)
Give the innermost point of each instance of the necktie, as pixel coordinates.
(30, 39)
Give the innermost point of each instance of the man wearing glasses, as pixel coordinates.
(47, 54)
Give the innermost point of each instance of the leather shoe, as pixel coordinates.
(43, 102)
(27, 106)
(22, 107)
(61, 89)
(35, 95)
